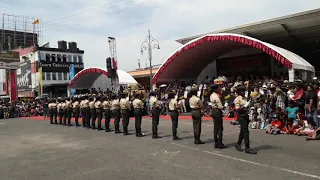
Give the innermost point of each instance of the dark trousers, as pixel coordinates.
(99, 117)
(46, 112)
(51, 115)
(218, 126)
(69, 115)
(88, 118)
(93, 117)
(138, 119)
(60, 116)
(107, 116)
(85, 114)
(116, 114)
(243, 120)
(65, 114)
(125, 119)
(155, 120)
(76, 113)
(174, 117)
(196, 119)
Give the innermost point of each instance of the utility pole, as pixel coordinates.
(148, 44)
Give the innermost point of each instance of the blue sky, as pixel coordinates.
(89, 23)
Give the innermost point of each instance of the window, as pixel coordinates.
(48, 57)
(48, 76)
(60, 76)
(75, 59)
(53, 57)
(69, 58)
(64, 58)
(44, 75)
(79, 59)
(59, 58)
(54, 76)
(42, 57)
(65, 76)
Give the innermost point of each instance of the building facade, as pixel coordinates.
(46, 70)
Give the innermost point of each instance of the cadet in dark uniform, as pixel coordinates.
(125, 111)
(116, 113)
(107, 113)
(196, 106)
(92, 113)
(216, 115)
(99, 111)
(174, 114)
(69, 110)
(241, 106)
(76, 110)
(155, 111)
(138, 106)
(60, 111)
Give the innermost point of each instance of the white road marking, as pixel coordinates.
(251, 162)
(2, 123)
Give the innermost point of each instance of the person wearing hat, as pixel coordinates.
(116, 113)
(241, 106)
(107, 113)
(99, 111)
(69, 110)
(138, 107)
(93, 114)
(87, 112)
(76, 110)
(174, 114)
(217, 117)
(196, 106)
(125, 111)
(155, 111)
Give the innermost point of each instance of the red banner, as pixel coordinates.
(13, 85)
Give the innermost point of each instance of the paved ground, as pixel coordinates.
(33, 149)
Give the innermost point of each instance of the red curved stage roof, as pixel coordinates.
(189, 60)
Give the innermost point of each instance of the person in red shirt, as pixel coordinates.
(299, 96)
(275, 127)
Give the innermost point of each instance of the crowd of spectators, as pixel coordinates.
(14, 109)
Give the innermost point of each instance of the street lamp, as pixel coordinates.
(148, 44)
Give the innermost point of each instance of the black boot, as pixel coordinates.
(137, 132)
(125, 132)
(238, 147)
(117, 130)
(198, 142)
(250, 151)
(175, 137)
(140, 134)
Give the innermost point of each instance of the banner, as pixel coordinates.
(24, 77)
(40, 81)
(13, 86)
(9, 60)
(49, 66)
(71, 76)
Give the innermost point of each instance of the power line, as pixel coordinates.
(84, 13)
(98, 16)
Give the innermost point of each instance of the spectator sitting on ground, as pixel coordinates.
(275, 127)
(307, 128)
(314, 136)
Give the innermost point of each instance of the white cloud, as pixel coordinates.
(167, 19)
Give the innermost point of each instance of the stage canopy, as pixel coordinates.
(98, 78)
(188, 61)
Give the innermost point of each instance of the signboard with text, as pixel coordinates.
(9, 60)
(50, 66)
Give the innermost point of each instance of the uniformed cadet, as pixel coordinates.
(107, 113)
(196, 107)
(241, 106)
(83, 114)
(64, 111)
(174, 114)
(87, 111)
(116, 113)
(68, 107)
(99, 112)
(138, 106)
(50, 111)
(216, 115)
(155, 111)
(125, 111)
(92, 113)
(54, 111)
(60, 111)
(76, 110)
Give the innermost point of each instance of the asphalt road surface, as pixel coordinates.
(34, 149)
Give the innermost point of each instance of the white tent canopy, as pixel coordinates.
(98, 78)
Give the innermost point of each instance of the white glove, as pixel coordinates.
(247, 104)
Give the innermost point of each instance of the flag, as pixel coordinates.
(71, 76)
(40, 81)
(35, 21)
